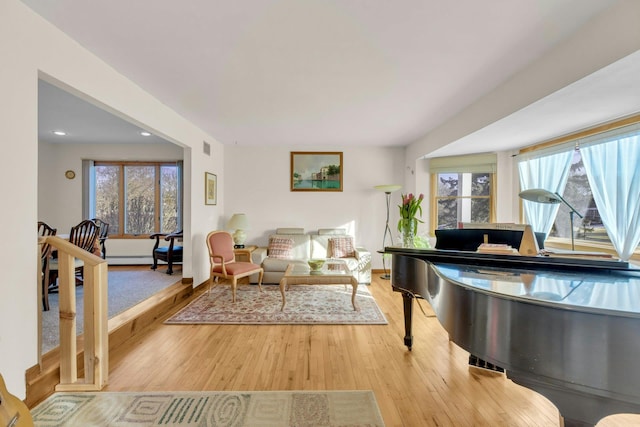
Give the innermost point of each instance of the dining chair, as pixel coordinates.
(224, 265)
(84, 235)
(103, 235)
(44, 230)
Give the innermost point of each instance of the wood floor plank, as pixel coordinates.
(428, 386)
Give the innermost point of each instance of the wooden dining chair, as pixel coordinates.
(223, 262)
(44, 230)
(84, 235)
(103, 235)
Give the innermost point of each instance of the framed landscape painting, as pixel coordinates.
(316, 171)
(210, 190)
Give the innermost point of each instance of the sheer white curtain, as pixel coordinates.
(613, 170)
(549, 173)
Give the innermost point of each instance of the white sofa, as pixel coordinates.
(309, 246)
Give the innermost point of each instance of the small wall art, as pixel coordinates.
(210, 189)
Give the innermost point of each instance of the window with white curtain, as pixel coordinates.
(602, 185)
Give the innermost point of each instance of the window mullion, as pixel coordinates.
(157, 197)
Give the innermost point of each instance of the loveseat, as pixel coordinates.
(293, 245)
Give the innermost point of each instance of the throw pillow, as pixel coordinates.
(342, 247)
(280, 247)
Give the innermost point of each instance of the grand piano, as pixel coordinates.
(566, 328)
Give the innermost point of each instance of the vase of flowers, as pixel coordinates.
(410, 209)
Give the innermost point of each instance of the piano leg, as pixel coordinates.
(407, 300)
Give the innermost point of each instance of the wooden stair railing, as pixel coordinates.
(96, 337)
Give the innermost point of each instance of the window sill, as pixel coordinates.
(580, 245)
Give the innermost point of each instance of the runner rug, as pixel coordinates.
(306, 304)
(237, 409)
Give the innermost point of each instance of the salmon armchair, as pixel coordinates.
(223, 262)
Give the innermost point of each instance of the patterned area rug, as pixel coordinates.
(203, 409)
(306, 304)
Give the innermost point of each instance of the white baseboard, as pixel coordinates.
(129, 260)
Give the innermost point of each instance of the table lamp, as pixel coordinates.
(239, 223)
(387, 189)
(540, 195)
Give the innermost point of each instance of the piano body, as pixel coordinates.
(566, 328)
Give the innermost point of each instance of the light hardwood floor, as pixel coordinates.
(431, 385)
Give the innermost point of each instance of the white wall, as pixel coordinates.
(33, 48)
(257, 183)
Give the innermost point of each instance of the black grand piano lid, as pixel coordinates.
(619, 292)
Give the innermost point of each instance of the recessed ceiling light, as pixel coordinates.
(59, 132)
(144, 133)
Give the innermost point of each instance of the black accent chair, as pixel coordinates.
(170, 254)
(103, 235)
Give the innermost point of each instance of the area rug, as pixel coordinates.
(203, 409)
(306, 304)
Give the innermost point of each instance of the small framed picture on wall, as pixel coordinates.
(210, 189)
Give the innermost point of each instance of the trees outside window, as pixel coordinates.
(463, 197)
(578, 194)
(137, 199)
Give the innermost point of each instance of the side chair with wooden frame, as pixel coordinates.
(84, 235)
(224, 265)
(44, 230)
(103, 235)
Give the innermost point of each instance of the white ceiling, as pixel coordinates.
(331, 72)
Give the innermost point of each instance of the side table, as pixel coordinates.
(244, 254)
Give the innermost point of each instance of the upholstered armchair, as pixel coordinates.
(170, 253)
(223, 262)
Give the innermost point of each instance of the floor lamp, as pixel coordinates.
(540, 195)
(387, 189)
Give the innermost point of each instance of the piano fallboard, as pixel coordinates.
(571, 334)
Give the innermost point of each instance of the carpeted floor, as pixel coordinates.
(127, 287)
(306, 304)
(237, 409)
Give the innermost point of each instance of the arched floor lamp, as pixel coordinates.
(387, 189)
(540, 195)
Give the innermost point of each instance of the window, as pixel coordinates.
(462, 190)
(137, 198)
(578, 194)
(462, 197)
(602, 185)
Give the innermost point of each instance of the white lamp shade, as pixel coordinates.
(238, 221)
(388, 188)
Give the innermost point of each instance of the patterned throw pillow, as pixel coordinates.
(280, 247)
(342, 247)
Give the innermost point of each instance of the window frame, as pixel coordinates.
(433, 218)
(121, 193)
